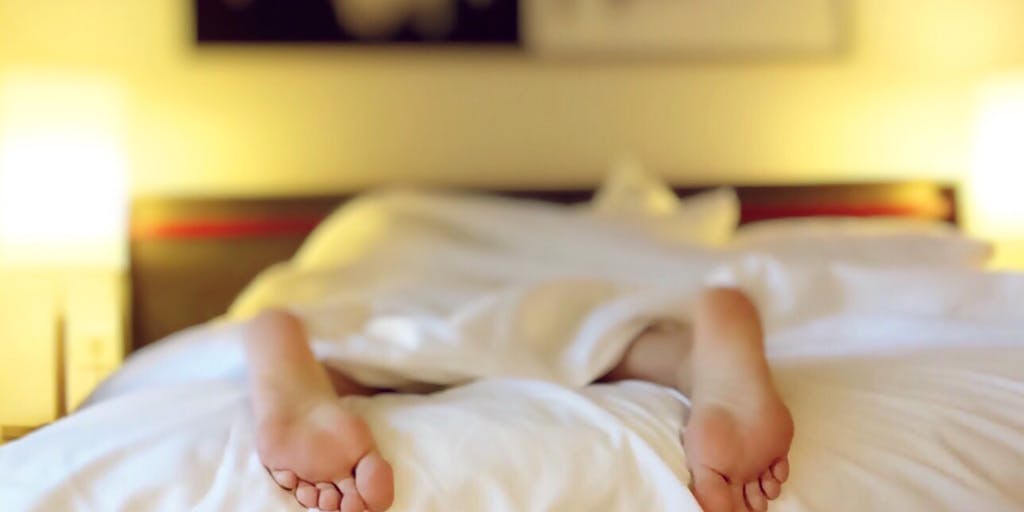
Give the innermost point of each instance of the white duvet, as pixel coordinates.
(907, 385)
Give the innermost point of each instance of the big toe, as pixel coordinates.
(375, 482)
(712, 490)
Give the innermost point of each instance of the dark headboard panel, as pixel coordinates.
(191, 256)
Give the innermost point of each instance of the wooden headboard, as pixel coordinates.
(191, 256)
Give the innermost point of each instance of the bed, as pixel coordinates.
(902, 362)
(190, 256)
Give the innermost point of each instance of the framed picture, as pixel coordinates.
(682, 28)
(375, 22)
(562, 28)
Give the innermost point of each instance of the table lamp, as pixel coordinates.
(62, 187)
(995, 183)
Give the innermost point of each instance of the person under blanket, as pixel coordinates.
(737, 436)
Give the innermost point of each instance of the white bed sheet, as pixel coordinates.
(906, 385)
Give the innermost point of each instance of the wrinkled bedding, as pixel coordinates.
(906, 384)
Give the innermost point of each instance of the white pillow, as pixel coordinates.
(637, 199)
(869, 241)
(631, 190)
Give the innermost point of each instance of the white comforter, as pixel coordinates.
(907, 385)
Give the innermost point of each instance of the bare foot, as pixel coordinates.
(739, 432)
(309, 442)
(326, 455)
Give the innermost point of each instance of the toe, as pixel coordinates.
(286, 479)
(712, 491)
(375, 482)
(351, 501)
(780, 470)
(756, 501)
(770, 486)
(739, 499)
(307, 494)
(330, 497)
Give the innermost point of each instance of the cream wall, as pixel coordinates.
(28, 383)
(898, 103)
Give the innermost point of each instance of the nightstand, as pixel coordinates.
(8, 434)
(96, 318)
(61, 333)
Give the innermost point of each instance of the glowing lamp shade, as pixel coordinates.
(62, 173)
(995, 186)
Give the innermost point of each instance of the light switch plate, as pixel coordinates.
(95, 323)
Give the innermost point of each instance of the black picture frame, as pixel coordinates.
(474, 22)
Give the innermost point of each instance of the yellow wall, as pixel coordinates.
(898, 103)
(28, 383)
